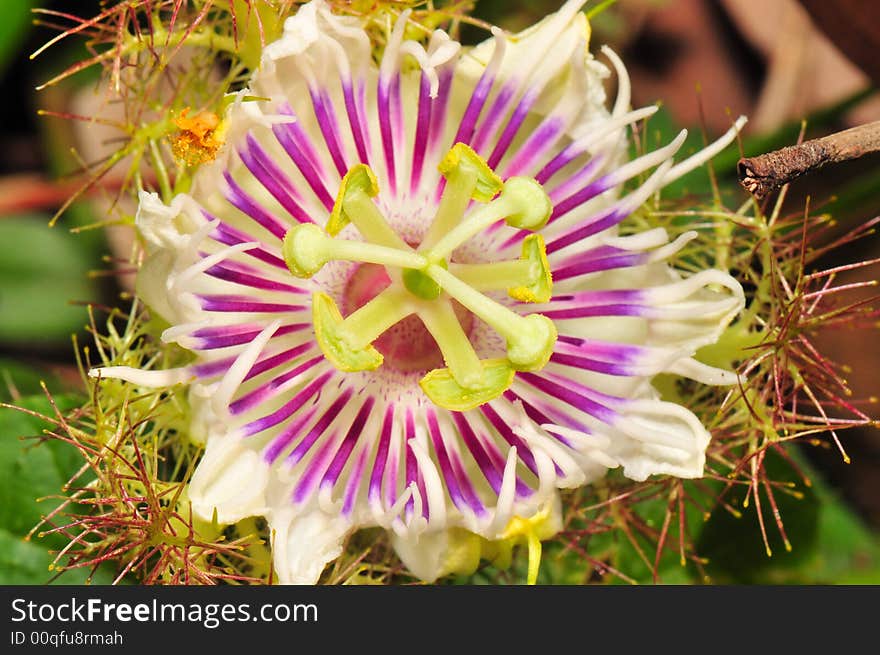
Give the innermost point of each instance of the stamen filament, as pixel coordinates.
(497, 275)
(306, 248)
(468, 177)
(369, 253)
(460, 185)
(362, 211)
(503, 320)
(530, 338)
(522, 203)
(458, 353)
(368, 322)
(474, 224)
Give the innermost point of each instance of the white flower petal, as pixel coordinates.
(659, 438)
(229, 482)
(304, 542)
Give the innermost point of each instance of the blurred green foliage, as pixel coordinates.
(15, 21)
(830, 543)
(32, 474)
(42, 272)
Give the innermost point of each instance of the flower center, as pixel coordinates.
(406, 346)
(395, 284)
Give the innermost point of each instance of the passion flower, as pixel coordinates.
(408, 299)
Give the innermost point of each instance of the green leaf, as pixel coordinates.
(42, 270)
(31, 470)
(30, 467)
(847, 551)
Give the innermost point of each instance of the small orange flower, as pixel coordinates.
(199, 138)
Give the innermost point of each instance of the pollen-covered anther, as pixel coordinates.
(347, 342)
(539, 285)
(354, 204)
(463, 162)
(445, 391)
(527, 279)
(199, 138)
(359, 182)
(331, 337)
(468, 177)
(306, 248)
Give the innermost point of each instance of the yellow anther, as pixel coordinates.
(331, 337)
(540, 286)
(527, 279)
(462, 156)
(468, 178)
(200, 137)
(359, 180)
(444, 391)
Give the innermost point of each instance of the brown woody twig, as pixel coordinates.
(762, 175)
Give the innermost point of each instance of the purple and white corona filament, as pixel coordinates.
(408, 300)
